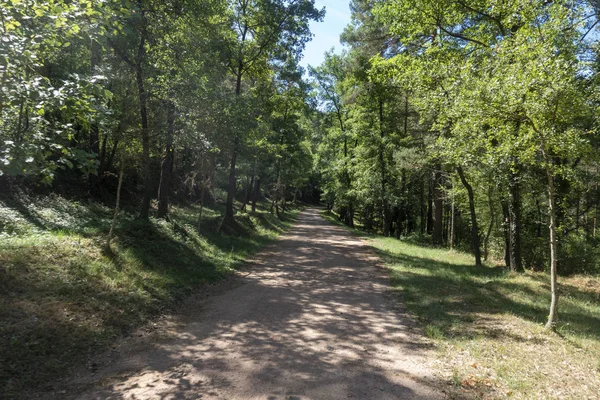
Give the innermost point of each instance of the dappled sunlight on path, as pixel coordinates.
(309, 318)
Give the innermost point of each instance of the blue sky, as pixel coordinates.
(327, 33)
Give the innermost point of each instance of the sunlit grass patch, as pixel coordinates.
(488, 324)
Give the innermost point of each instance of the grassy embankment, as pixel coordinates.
(487, 324)
(64, 297)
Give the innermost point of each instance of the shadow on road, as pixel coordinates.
(311, 318)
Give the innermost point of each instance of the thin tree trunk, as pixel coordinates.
(102, 161)
(94, 139)
(491, 225)
(201, 206)
(350, 216)
(474, 226)
(384, 201)
(438, 211)
(248, 194)
(596, 205)
(398, 230)
(422, 207)
(232, 181)
(430, 205)
(553, 315)
(514, 209)
(111, 157)
(506, 230)
(256, 195)
(116, 212)
(402, 218)
(143, 100)
(166, 165)
(451, 239)
(234, 152)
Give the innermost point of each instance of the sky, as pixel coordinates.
(326, 33)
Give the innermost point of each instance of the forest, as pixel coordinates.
(468, 125)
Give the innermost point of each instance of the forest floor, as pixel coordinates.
(311, 317)
(65, 299)
(487, 324)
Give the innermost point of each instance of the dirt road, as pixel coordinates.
(310, 318)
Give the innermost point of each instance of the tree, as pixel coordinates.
(261, 29)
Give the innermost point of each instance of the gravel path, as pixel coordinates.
(310, 318)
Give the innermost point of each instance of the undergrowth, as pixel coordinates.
(63, 296)
(488, 323)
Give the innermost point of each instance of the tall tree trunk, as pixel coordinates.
(102, 161)
(94, 134)
(111, 157)
(474, 226)
(256, 195)
(451, 236)
(422, 208)
(167, 164)
(234, 152)
(597, 198)
(201, 206)
(399, 223)
(232, 180)
(553, 315)
(402, 210)
(143, 104)
(350, 216)
(430, 205)
(387, 220)
(248, 194)
(506, 230)
(116, 212)
(490, 226)
(514, 210)
(438, 209)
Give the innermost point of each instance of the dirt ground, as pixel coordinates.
(312, 317)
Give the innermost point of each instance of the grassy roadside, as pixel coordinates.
(62, 297)
(488, 324)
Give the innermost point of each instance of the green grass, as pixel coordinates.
(488, 323)
(63, 296)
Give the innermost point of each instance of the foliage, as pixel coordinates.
(63, 295)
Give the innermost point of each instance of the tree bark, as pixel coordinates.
(514, 210)
(248, 194)
(94, 135)
(451, 238)
(111, 157)
(145, 133)
(422, 208)
(438, 211)
(167, 164)
(597, 198)
(116, 212)
(474, 226)
(385, 206)
(234, 153)
(553, 315)
(490, 226)
(232, 181)
(506, 230)
(102, 160)
(201, 206)
(256, 194)
(350, 216)
(430, 206)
